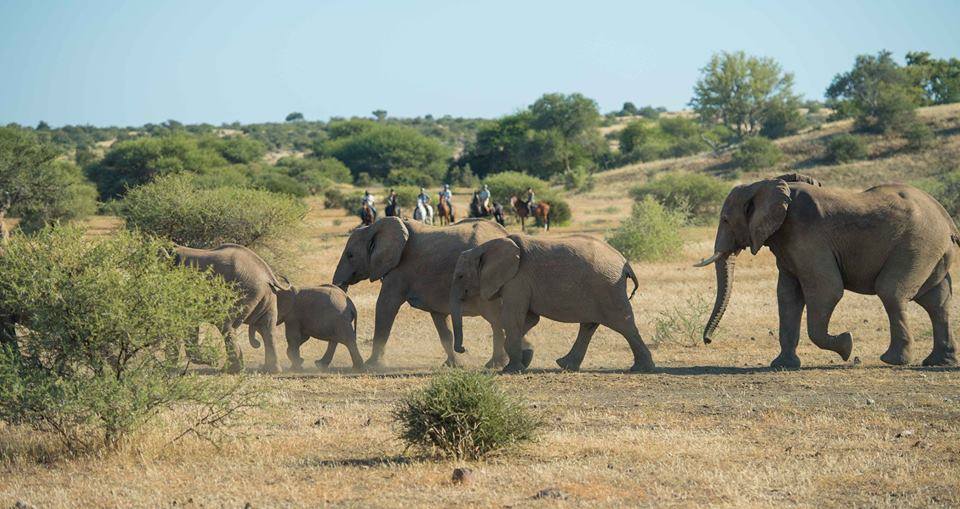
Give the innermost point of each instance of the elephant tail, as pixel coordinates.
(253, 336)
(628, 271)
(353, 314)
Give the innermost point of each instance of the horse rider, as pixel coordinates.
(369, 201)
(484, 196)
(531, 199)
(446, 195)
(423, 200)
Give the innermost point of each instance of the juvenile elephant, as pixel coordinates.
(576, 279)
(325, 313)
(893, 241)
(415, 264)
(258, 307)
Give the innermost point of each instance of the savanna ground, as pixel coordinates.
(713, 425)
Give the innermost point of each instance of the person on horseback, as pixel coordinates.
(484, 196)
(423, 198)
(369, 201)
(423, 206)
(531, 199)
(445, 194)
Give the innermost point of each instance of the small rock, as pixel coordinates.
(905, 433)
(22, 505)
(248, 505)
(752, 338)
(320, 422)
(856, 361)
(463, 475)
(870, 401)
(553, 493)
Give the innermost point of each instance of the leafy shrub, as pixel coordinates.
(507, 184)
(132, 163)
(175, 208)
(682, 324)
(845, 148)
(652, 232)
(99, 362)
(236, 149)
(757, 153)
(336, 198)
(879, 93)
(379, 148)
(946, 189)
(782, 119)
(700, 194)
(918, 136)
(327, 167)
(407, 197)
(578, 179)
(409, 177)
(277, 182)
(463, 414)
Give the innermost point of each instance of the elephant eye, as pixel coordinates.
(349, 255)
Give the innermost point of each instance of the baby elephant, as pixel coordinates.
(576, 279)
(325, 313)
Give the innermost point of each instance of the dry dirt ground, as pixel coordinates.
(713, 426)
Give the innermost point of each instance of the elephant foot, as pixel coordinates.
(940, 359)
(568, 364)
(496, 362)
(270, 369)
(644, 366)
(452, 362)
(296, 367)
(786, 361)
(842, 344)
(513, 367)
(323, 366)
(526, 357)
(896, 356)
(233, 367)
(374, 364)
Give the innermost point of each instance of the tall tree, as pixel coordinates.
(737, 90)
(877, 92)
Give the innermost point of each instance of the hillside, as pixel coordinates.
(888, 159)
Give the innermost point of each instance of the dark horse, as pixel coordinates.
(392, 210)
(496, 210)
(540, 212)
(367, 215)
(445, 212)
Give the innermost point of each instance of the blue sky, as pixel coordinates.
(131, 62)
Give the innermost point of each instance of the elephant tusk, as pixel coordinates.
(708, 261)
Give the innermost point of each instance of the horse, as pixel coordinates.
(445, 212)
(367, 215)
(392, 210)
(540, 212)
(496, 210)
(423, 213)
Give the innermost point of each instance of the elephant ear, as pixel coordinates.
(769, 209)
(498, 264)
(388, 237)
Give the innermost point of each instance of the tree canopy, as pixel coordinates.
(877, 92)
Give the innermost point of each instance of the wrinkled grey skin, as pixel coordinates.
(893, 241)
(258, 307)
(415, 264)
(576, 279)
(325, 313)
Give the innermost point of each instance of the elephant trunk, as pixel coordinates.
(724, 266)
(456, 312)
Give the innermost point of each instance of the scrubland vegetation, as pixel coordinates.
(103, 404)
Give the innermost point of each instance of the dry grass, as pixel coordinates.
(712, 426)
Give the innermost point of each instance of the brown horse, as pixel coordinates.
(367, 216)
(540, 212)
(445, 212)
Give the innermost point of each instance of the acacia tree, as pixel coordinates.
(877, 92)
(740, 90)
(35, 185)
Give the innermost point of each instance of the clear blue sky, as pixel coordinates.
(131, 62)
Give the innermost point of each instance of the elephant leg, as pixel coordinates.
(294, 340)
(324, 362)
(526, 349)
(936, 302)
(499, 357)
(790, 305)
(642, 359)
(351, 342)
(898, 353)
(388, 305)
(821, 296)
(234, 354)
(513, 323)
(267, 328)
(573, 359)
(442, 323)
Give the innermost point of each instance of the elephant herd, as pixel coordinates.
(893, 241)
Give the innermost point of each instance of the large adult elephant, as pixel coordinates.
(258, 286)
(893, 241)
(415, 264)
(577, 279)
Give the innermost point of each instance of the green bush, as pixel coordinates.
(682, 324)
(918, 136)
(409, 177)
(407, 197)
(757, 153)
(336, 198)
(578, 179)
(463, 414)
(845, 148)
(946, 189)
(461, 176)
(100, 361)
(694, 192)
(236, 149)
(880, 94)
(175, 208)
(327, 167)
(505, 185)
(652, 232)
(277, 182)
(379, 148)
